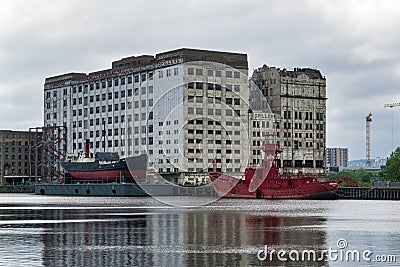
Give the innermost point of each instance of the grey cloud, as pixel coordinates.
(351, 42)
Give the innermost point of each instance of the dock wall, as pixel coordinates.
(17, 189)
(378, 193)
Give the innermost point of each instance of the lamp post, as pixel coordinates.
(392, 105)
(2, 157)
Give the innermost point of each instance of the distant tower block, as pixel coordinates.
(368, 121)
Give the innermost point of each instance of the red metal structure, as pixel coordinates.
(47, 148)
(267, 181)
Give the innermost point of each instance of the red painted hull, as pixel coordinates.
(268, 182)
(130, 170)
(232, 187)
(107, 175)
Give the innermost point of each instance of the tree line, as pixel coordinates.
(360, 177)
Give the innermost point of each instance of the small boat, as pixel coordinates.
(268, 182)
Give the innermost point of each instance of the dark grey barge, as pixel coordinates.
(120, 189)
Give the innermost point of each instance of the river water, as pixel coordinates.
(126, 231)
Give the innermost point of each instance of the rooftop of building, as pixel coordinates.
(235, 60)
(296, 72)
(142, 62)
(11, 134)
(311, 73)
(12, 131)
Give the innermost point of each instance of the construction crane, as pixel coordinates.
(392, 105)
(368, 120)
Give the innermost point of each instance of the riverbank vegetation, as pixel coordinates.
(362, 177)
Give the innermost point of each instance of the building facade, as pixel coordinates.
(185, 108)
(337, 157)
(14, 156)
(298, 100)
(263, 131)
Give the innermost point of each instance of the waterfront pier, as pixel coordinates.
(379, 193)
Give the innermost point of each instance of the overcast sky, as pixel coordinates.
(355, 44)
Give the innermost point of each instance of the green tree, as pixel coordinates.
(358, 177)
(362, 175)
(392, 172)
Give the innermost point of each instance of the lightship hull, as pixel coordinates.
(268, 182)
(108, 172)
(239, 189)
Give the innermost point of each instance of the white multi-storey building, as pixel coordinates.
(263, 130)
(185, 108)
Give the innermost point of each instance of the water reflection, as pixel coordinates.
(142, 237)
(233, 239)
(144, 233)
(110, 237)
